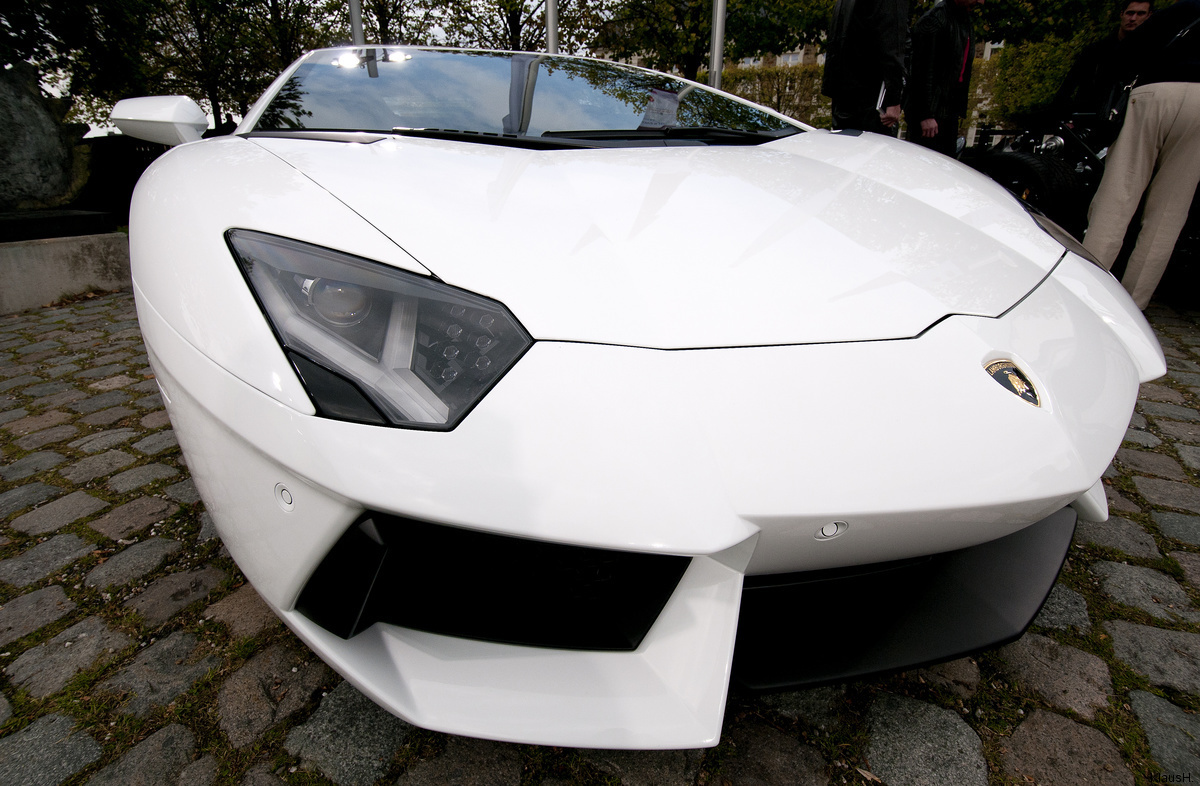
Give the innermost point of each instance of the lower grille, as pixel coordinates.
(475, 585)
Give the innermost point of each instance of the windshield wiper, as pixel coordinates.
(321, 135)
(706, 134)
(489, 138)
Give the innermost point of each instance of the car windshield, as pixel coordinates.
(381, 90)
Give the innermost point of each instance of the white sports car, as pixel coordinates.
(544, 396)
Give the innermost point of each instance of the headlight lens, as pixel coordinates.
(374, 344)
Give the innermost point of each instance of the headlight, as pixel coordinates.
(374, 344)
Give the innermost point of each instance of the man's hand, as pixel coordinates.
(929, 128)
(890, 116)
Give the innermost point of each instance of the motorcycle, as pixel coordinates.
(1054, 165)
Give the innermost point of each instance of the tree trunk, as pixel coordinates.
(513, 18)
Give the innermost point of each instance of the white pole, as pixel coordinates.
(716, 59)
(552, 26)
(356, 28)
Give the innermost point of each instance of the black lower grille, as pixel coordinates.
(488, 587)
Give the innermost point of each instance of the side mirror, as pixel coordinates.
(168, 120)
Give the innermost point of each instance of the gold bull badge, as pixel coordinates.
(1013, 380)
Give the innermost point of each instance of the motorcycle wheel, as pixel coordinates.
(1045, 182)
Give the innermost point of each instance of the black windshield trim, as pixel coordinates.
(473, 137)
(621, 139)
(703, 134)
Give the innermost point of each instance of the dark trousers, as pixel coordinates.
(860, 115)
(946, 141)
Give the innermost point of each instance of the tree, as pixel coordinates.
(223, 53)
(203, 51)
(399, 21)
(675, 35)
(756, 27)
(94, 47)
(792, 90)
(387, 21)
(669, 35)
(1021, 21)
(277, 33)
(1041, 42)
(287, 28)
(1028, 76)
(519, 25)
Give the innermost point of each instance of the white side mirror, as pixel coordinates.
(168, 120)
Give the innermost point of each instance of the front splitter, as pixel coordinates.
(827, 626)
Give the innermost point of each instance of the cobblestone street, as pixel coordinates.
(134, 651)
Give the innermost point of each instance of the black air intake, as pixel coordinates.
(475, 585)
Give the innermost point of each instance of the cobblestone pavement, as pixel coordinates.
(134, 652)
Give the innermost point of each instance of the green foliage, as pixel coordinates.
(99, 42)
(666, 34)
(981, 98)
(1021, 21)
(518, 24)
(675, 35)
(397, 21)
(1041, 39)
(791, 90)
(221, 52)
(755, 27)
(282, 30)
(1028, 75)
(224, 52)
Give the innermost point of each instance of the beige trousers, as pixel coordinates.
(1158, 148)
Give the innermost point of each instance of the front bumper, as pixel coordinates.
(670, 692)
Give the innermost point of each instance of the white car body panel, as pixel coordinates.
(670, 693)
(799, 477)
(561, 236)
(721, 395)
(221, 317)
(1105, 296)
(168, 120)
(691, 413)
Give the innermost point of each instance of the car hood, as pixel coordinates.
(818, 237)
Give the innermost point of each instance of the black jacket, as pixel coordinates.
(1154, 55)
(940, 78)
(1091, 78)
(866, 50)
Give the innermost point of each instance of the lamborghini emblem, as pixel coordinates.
(1014, 380)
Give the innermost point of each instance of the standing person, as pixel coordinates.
(864, 64)
(942, 51)
(1093, 76)
(1157, 151)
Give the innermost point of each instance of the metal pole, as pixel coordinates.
(356, 28)
(552, 26)
(716, 59)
